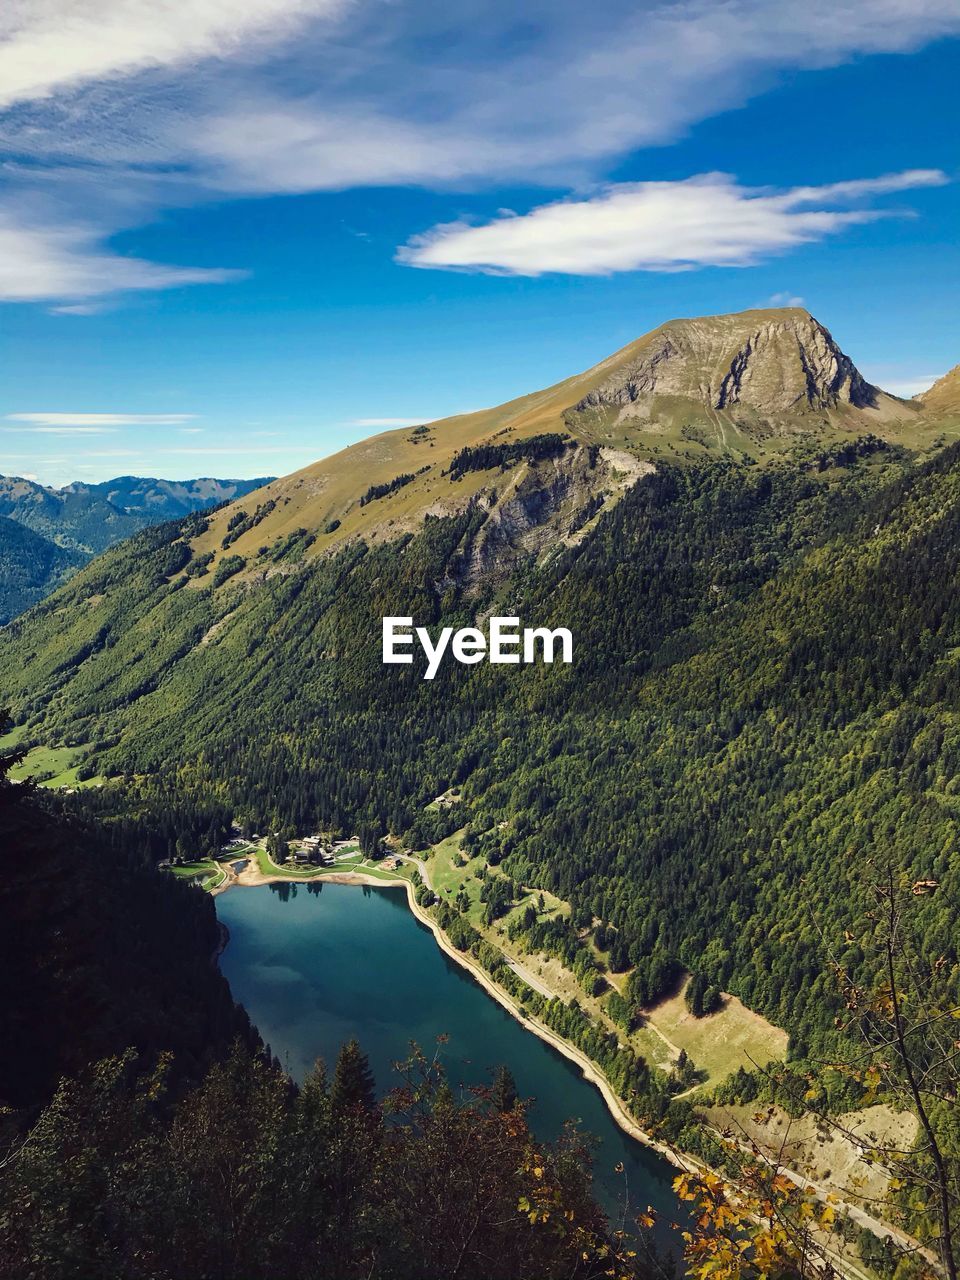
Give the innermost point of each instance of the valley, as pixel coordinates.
(659, 856)
(47, 534)
(719, 1043)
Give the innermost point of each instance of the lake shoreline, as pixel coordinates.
(252, 877)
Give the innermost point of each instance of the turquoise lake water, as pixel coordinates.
(318, 964)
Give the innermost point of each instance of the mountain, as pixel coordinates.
(758, 556)
(769, 362)
(753, 387)
(31, 566)
(46, 534)
(944, 395)
(92, 517)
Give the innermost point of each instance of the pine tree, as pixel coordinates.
(504, 1093)
(353, 1083)
(696, 990)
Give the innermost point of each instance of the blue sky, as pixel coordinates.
(237, 235)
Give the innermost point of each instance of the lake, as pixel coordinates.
(318, 964)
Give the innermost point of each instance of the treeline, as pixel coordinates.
(390, 486)
(646, 1090)
(241, 522)
(483, 457)
(246, 1177)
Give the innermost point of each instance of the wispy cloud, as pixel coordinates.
(114, 109)
(78, 309)
(49, 45)
(111, 453)
(703, 221)
(99, 421)
(784, 299)
(64, 431)
(544, 99)
(68, 261)
(909, 387)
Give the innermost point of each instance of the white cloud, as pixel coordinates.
(39, 262)
(99, 421)
(118, 108)
(784, 299)
(65, 431)
(46, 45)
(78, 309)
(703, 221)
(549, 97)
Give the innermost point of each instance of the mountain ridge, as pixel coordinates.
(944, 395)
(91, 517)
(47, 533)
(782, 379)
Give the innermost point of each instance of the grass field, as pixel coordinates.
(718, 1044)
(213, 875)
(825, 1153)
(50, 766)
(268, 867)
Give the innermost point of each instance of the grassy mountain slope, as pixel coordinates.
(944, 395)
(749, 386)
(760, 706)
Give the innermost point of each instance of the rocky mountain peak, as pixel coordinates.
(773, 362)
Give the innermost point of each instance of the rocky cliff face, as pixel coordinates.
(542, 507)
(773, 362)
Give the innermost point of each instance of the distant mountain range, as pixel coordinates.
(46, 534)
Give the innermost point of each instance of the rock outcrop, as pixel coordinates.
(772, 362)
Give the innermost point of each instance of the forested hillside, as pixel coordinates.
(31, 566)
(47, 534)
(249, 1178)
(100, 953)
(188, 1152)
(759, 708)
(758, 725)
